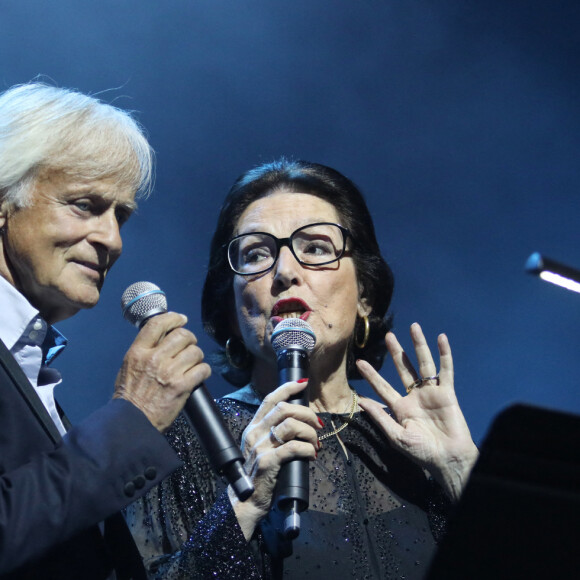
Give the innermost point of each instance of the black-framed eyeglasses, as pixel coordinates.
(312, 245)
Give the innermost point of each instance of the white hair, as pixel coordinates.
(51, 128)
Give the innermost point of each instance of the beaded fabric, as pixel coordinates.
(372, 515)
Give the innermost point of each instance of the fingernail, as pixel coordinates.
(320, 421)
(301, 380)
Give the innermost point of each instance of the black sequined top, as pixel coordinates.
(373, 514)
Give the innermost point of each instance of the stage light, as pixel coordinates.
(553, 272)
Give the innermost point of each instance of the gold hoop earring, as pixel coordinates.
(237, 354)
(365, 339)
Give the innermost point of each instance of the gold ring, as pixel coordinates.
(417, 383)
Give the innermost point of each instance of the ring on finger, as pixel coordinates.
(419, 382)
(433, 378)
(275, 435)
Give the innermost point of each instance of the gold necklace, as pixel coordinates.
(347, 422)
(335, 431)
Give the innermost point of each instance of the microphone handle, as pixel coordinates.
(205, 418)
(293, 485)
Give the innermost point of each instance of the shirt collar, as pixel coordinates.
(18, 316)
(53, 345)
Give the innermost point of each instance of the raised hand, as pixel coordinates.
(427, 423)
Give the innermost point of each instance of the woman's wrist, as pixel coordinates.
(247, 514)
(454, 474)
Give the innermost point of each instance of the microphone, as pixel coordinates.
(293, 340)
(140, 302)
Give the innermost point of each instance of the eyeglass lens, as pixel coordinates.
(316, 244)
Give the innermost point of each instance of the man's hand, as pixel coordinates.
(161, 369)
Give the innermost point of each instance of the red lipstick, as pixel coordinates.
(295, 306)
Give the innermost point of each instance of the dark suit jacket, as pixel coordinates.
(54, 490)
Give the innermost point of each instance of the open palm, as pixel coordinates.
(426, 424)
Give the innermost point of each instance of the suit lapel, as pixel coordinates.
(117, 548)
(22, 384)
(65, 420)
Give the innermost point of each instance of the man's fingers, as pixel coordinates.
(158, 327)
(162, 368)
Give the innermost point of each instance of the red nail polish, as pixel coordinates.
(301, 380)
(320, 421)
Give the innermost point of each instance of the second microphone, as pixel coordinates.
(293, 340)
(139, 303)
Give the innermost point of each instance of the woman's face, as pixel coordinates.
(327, 297)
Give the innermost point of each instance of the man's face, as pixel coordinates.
(58, 250)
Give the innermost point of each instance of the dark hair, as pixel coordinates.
(373, 273)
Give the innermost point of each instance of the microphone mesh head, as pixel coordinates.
(293, 332)
(141, 301)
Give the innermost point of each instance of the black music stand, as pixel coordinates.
(519, 516)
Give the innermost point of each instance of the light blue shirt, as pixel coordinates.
(33, 343)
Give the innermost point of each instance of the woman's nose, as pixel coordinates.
(287, 270)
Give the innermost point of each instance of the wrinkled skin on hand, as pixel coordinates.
(297, 427)
(427, 424)
(161, 369)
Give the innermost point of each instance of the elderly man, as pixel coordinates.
(71, 168)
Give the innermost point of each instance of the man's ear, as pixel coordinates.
(3, 213)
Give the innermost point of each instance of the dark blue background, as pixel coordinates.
(458, 119)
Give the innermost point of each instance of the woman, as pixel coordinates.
(295, 239)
